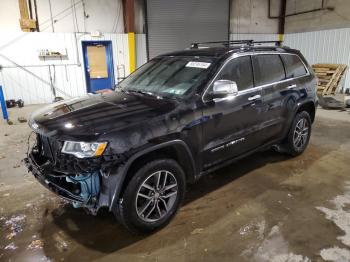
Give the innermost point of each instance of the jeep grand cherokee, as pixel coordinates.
(178, 117)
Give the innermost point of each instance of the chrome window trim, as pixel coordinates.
(255, 88)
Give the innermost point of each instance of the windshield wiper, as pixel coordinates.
(144, 93)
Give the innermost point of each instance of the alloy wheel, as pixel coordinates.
(156, 196)
(301, 134)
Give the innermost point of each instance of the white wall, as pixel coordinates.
(327, 46)
(103, 15)
(25, 76)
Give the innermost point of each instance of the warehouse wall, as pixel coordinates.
(24, 75)
(252, 17)
(255, 37)
(68, 19)
(320, 20)
(326, 46)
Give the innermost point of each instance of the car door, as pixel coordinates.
(270, 75)
(279, 75)
(299, 81)
(232, 123)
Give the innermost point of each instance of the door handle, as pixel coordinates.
(253, 98)
(291, 86)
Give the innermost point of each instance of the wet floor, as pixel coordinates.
(267, 207)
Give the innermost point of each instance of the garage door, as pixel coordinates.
(174, 25)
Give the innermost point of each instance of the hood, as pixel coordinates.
(93, 115)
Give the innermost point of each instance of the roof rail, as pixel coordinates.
(229, 43)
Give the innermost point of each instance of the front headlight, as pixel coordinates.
(83, 149)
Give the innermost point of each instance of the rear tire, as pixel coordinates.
(152, 197)
(299, 134)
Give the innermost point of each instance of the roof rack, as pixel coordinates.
(243, 43)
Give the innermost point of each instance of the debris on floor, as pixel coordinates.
(15, 225)
(329, 102)
(254, 227)
(61, 244)
(197, 231)
(11, 235)
(12, 103)
(35, 244)
(11, 246)
(22, 119)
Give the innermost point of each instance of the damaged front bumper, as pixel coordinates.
(81, 190)
(83, 182)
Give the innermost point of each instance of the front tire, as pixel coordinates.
(299, 134)
(152, 196)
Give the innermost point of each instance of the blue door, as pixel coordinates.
(98, 65)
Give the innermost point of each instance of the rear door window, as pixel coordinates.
(294, 66)
(239, 70)
(268, 69)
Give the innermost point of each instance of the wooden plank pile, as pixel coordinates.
(329, 76)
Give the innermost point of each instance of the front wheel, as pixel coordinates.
(153, 196)
(299, 134)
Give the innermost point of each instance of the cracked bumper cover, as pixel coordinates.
(42, 174)
(56, 182)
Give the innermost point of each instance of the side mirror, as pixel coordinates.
(224, 88)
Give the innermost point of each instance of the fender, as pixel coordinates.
(123, 170)
(305, 101)
(294, 112)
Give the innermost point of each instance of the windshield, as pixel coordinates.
(168, 76)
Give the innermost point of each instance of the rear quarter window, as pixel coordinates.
(294, 66)
(268, 69)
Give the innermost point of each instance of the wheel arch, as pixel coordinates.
(175, 149)
(309, 107)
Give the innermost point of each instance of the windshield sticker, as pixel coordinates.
(203, 65)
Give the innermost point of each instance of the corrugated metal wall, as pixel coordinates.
(174, 25)
(327, 46)
(24, 75)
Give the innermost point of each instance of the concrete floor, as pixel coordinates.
(267, 207)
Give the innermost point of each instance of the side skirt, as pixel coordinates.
(232, 160)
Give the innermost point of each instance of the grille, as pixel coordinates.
(45, 147)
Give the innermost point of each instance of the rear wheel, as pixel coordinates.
(299, 134)
(152, 196)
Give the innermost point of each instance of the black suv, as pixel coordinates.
(178, 117)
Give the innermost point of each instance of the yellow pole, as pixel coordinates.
(280, 37)
(132, 56)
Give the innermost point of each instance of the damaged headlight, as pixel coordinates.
(83, 149)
